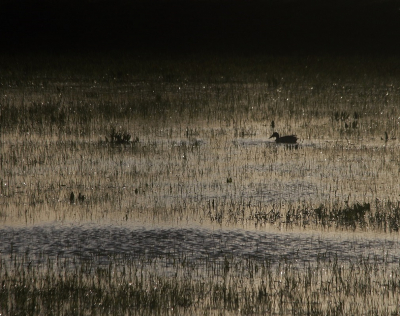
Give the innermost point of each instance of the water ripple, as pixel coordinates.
(88, 241)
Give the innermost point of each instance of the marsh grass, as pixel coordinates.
(167, 286)
(197, 127)
(177, 178)
(203, 157)
(119, 137)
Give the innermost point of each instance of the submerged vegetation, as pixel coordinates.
(70, 152)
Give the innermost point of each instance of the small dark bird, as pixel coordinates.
(72, 198)
(290, 139)
(386, 137)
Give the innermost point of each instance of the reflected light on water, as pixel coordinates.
(197, 244)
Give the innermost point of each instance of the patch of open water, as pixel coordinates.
(195, 243)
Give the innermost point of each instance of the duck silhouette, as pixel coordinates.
(289, 139)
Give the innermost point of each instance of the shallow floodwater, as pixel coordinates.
(195, 244)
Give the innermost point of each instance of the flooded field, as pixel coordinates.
(169, 166)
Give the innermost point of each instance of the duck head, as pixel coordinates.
(275, 134)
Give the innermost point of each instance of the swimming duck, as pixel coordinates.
(290, 139)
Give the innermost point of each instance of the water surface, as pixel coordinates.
(194, 243)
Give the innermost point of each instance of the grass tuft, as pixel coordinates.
(120, 137)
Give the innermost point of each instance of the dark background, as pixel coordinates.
(178, 26)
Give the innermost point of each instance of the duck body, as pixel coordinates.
(289, 139)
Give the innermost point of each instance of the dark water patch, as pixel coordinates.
(194, 244)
